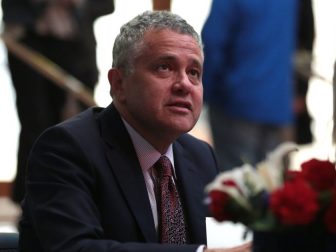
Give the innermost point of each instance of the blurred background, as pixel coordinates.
(319, 99)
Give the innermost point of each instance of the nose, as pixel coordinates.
(182, 83)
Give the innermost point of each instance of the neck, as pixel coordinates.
(158, 140)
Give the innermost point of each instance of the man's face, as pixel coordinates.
(163, 95)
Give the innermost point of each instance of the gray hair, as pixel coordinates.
(128, 43)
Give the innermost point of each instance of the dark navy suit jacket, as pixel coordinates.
(86, 191)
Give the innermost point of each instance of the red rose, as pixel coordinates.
(330, 216)
(229, 182)
(218, 202)
(321, 174)
(294, 203)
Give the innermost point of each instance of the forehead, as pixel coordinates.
(166, 39)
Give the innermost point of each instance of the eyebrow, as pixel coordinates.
(172, 57)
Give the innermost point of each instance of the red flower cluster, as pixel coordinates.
(303, 197)
(320, 174)
(295, 203)
(219, 202)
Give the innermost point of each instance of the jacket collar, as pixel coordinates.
(125, 165)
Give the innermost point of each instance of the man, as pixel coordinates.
(92, 182)
(248, 77)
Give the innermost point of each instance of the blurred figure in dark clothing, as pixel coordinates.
(61, 30)
(305, 41)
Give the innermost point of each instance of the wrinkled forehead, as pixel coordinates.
(169, 46)
(154, 36)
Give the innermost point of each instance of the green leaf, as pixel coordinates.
(266, 223)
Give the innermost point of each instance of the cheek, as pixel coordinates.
(198, 96)
(149, 99)
(198, 102)
(156, 92)
(138, 89)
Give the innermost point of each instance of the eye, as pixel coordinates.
(163, 67)
(195, 73)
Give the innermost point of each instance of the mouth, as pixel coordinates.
(183, 105)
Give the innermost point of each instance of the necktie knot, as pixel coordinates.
(163, 167)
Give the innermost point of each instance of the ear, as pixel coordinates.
(115, 77)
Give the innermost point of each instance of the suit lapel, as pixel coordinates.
(126, 168)
(190, 188)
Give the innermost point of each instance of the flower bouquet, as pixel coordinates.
(287, 210)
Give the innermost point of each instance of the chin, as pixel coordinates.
(182, 129)
(179, 125)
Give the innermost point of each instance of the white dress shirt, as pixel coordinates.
(148, 156)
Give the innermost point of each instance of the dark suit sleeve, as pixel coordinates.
(60, 211)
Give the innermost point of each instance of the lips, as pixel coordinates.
(181, 104)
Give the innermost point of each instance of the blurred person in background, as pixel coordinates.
(304, 49)
(62, 31)
(248, 77)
